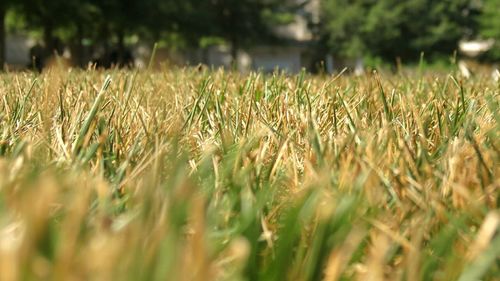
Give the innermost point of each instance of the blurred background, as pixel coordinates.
(318, 35)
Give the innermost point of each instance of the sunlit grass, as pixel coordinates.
(187, 175)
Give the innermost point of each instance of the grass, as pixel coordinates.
(187, 175)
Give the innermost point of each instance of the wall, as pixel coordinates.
(17, 51)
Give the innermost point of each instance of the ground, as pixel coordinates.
(187, 175)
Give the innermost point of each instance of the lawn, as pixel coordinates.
(189, 174)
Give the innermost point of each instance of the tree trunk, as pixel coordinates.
(48, 39)
(235, 48)
(121, 48)
(2, 36)
(79, 46)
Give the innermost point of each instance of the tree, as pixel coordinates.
(115, 20)
(105, 24)
(170, 16)
(48, 16)
(393, 29)
(341, 27)
(242, 23)
(435, 27)
(490, 25)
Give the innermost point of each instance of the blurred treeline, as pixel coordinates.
(390, 29)
(386, 30)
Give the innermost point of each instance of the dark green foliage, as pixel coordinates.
(490, 25)
(395, 29)
(243, 22)
(180, 23)
(384, 29)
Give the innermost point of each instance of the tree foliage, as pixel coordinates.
(490, 24)
(244, 22)
(387, 29)
(392, 28)
(107, 23)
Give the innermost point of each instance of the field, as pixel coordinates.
(209, 175)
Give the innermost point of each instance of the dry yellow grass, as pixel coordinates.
(186, 175)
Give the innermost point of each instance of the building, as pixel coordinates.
(17, 51)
